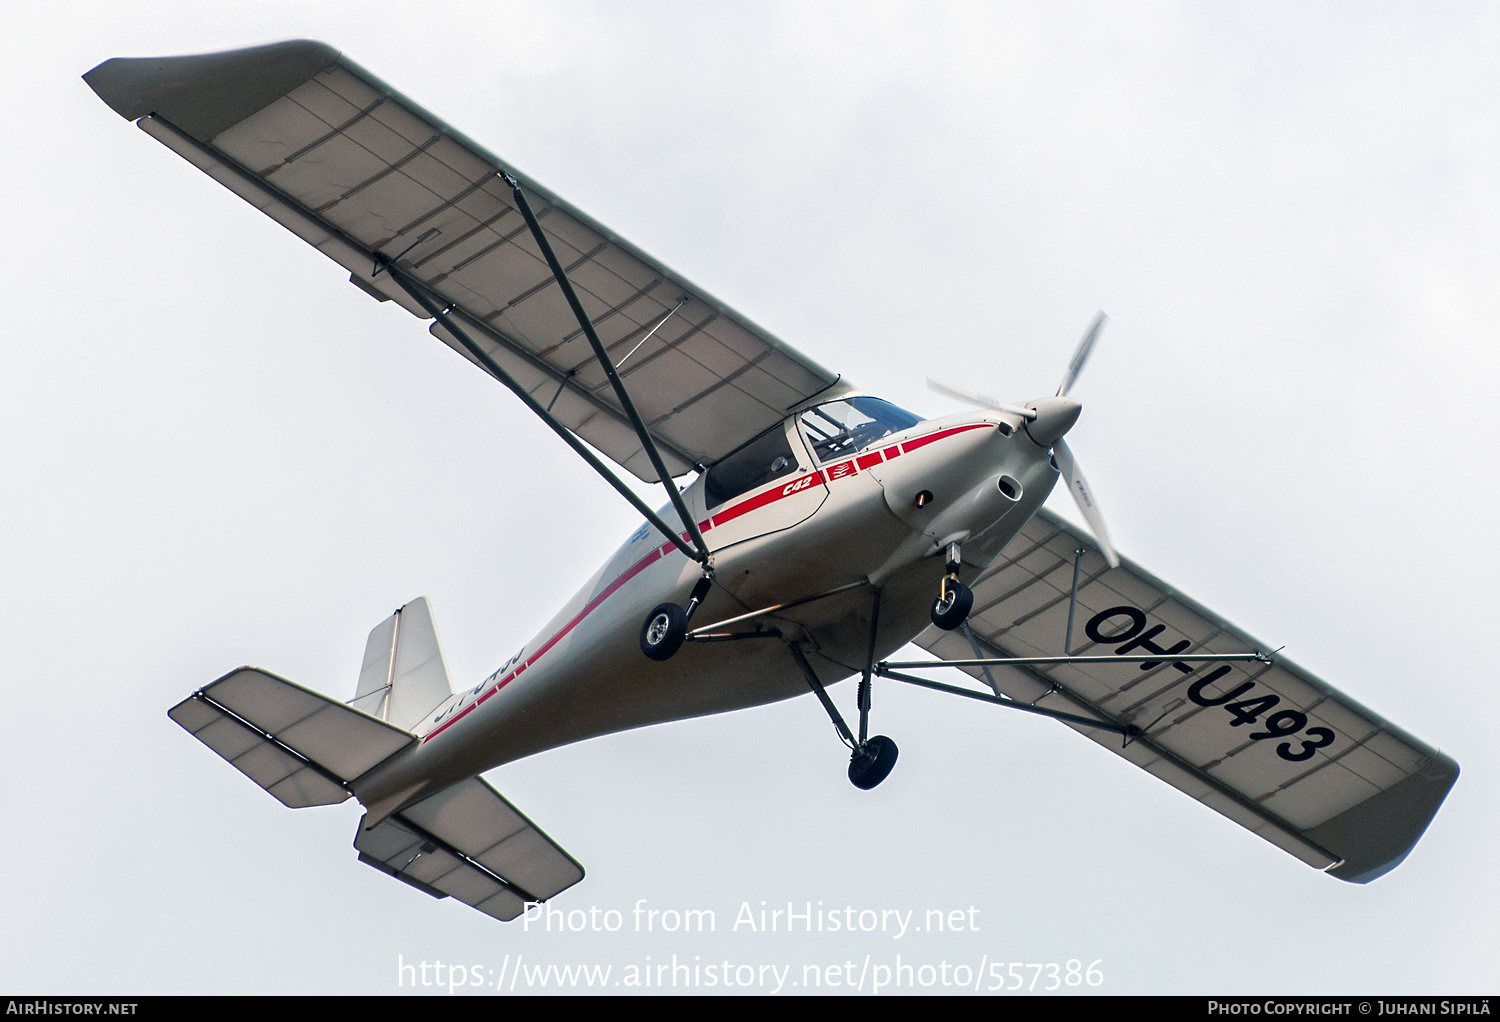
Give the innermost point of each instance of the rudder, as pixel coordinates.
(404, 676)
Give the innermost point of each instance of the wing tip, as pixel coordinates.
(1377, 835)
(205, 93)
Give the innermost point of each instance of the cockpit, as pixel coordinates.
(833, 430)
(839, 429)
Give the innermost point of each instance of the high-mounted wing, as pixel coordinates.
(362, 173)
(1266, 744)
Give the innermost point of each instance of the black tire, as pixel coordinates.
(872, 762)
(663, 631)
(950, 613)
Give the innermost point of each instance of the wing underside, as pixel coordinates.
(1268, 745)
(362, 173)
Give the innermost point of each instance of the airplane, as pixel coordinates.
(822, 530)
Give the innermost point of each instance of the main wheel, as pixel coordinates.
(872, 762)
(949, 612)
(663, 631)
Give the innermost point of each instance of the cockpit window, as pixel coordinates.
(840, 428)
(769, 456)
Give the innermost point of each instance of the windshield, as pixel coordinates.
(840, 428)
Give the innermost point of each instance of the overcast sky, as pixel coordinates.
(218, 452)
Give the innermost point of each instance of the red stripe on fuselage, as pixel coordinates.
(770, 496)
(912, 445)
(609, 591)
(760, 500)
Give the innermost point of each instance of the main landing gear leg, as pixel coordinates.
(864, 681)
(666, 626)
(871, 761)
(955, 599)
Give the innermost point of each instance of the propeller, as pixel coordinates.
(1047, 420)
(1078, 486)
(973, 397)
(1081, 355)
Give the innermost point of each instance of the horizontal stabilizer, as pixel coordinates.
(468, 842)
(300, 746)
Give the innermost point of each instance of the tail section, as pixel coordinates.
(302, 747)
(464, 841)
(468, 842)
(404, 677)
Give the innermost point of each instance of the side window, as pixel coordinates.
(769, 456)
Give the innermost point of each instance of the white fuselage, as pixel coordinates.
(855, 522)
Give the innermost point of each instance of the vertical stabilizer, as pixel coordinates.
(403, 677)
(375, 675)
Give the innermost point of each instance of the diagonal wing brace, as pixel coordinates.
(440, 313)
(609, 370)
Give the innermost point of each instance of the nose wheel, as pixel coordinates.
(955, 599)
(952, 606)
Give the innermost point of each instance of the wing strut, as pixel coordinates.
(439, 313)
(1128, 730)
(701, 556)
(887, 669)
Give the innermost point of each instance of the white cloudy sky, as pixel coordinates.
(218, 452)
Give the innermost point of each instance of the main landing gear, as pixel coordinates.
(872, 762)
(955, 599)
(870, 759)
(665, 628)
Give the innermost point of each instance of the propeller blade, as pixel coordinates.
(1078, 486)
(1081, 355)
(979, 400)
